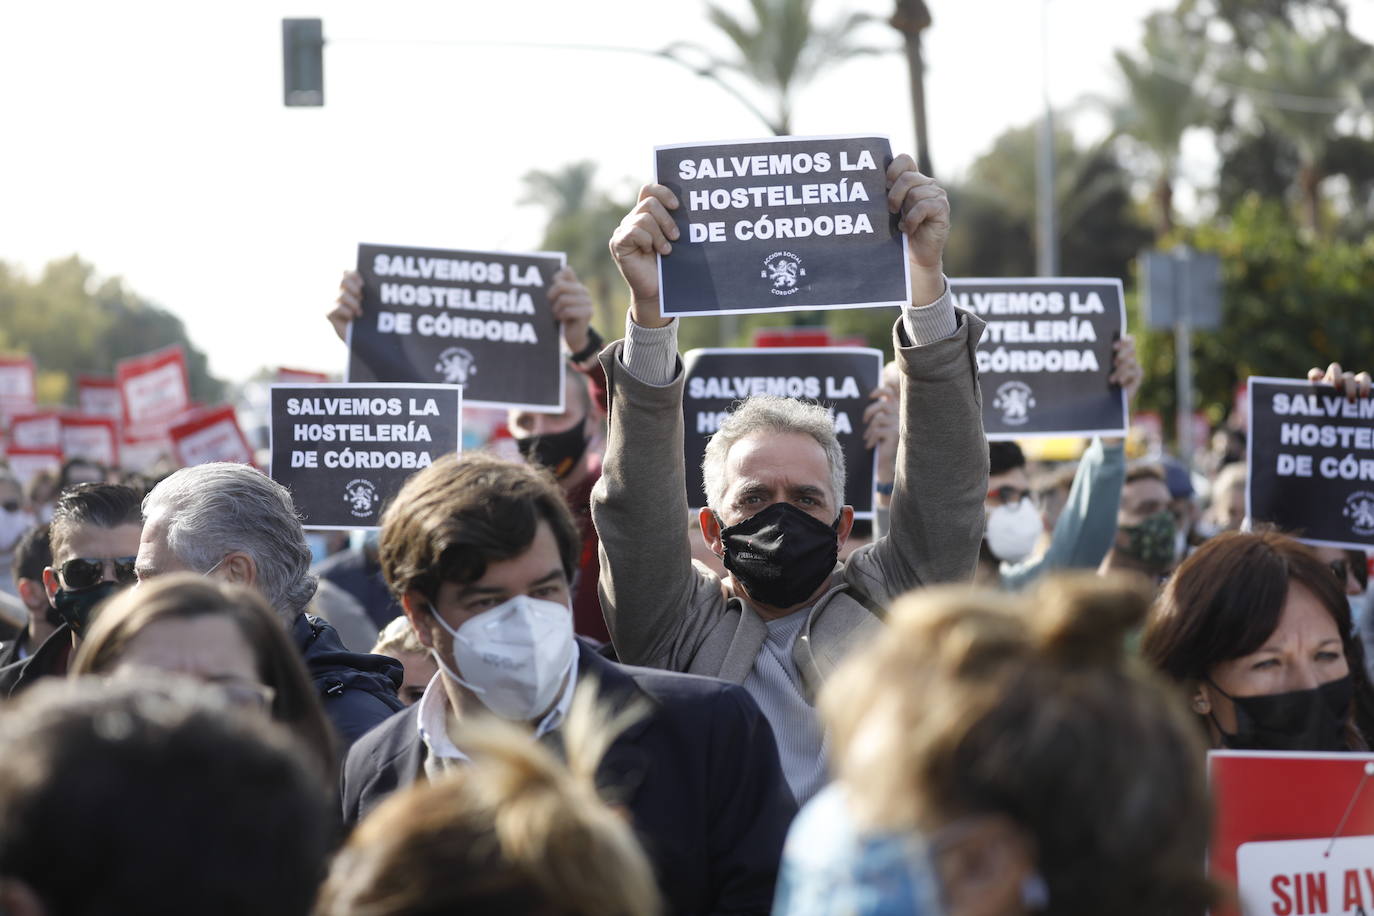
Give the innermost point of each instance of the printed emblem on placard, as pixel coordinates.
(1015, 400)
(783, 270)
(1359, 508)
(456, 365)
(361, 495)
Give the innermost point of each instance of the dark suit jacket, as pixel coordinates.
(699, 774)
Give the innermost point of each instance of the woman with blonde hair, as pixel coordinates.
(514, 833)
(225, 635)
(999, 755)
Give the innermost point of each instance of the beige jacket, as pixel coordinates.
(663, 611)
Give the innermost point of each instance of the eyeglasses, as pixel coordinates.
(1009, 495)
(87, 572)
(1340, 569)
(11, 506)
(247, 694)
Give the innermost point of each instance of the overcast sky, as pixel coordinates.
(151, 138)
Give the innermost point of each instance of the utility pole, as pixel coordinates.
(1047, 238)
(911, 18)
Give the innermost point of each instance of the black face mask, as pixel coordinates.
(74, 607)
(781, 555)
(1301, 720)
(559, 452)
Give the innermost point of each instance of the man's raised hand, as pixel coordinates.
(1351, 384)
(646, 232)
(923, 208)
(348, 306)
(571, 303)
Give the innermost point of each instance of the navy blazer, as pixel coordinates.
(700, 776)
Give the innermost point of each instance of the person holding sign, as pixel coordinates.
(787, 612)
(1257, 629)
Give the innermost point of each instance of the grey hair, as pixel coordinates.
(214, 509)
(770, 413)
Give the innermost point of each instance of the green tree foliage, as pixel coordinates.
(1289, 302)
(779, 48)
(70, 320)
(581, 220)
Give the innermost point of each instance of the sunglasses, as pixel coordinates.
(87, 572)
(12, 506)
(1008, 495)
(1342, 568)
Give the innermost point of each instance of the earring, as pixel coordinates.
(1201, 706)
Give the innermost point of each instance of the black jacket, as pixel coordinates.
(359, 573)
(48, 660)
(9, 651)
(358, 690)
(700, 775)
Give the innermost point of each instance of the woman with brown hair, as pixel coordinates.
(224, 635)
(1257, 629)
(998, 755)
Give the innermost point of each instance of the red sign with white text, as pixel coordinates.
(211, 435)
(1294, 833)
(91, 437)
(287, 376)
(18, 389)
(28, 463)
(155, 389)
(98, 395)
(37, 430)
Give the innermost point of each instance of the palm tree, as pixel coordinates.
(779, 49)
(911, 18)
(1301, 90)
(1163, 102)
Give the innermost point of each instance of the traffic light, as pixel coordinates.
(302, 48)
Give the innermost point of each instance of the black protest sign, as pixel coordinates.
(480, 319)
(782, 225)
(344, 450)
(1046, 356)
(838, 378)
(1311, 462)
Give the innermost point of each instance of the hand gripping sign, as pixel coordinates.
(784, 224)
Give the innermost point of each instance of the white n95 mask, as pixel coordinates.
(1013, 531)
(514, 657)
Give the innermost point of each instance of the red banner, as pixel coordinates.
(211, 435)
(17, 387)
(98, 395)
(37, 431)
(91, 437)
(287, 376)
(1294, 833)
(155, 390)
(28, 463)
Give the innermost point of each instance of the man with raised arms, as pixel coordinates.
(787, 611)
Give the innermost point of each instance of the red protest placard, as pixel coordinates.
(143, 454)
(287, 376)
(1294, 833)
(94, 438)
(155, 390)
(37, 430)
(17, 386)
(28, 463)
(98, 395)
(210, 435)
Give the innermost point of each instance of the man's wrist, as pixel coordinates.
(592, 347)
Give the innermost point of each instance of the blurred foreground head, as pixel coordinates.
(516, 832)
(1044, 770)
(153, 797)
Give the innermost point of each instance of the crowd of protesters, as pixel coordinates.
(531, 692)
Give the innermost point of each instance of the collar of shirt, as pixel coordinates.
(432, 717)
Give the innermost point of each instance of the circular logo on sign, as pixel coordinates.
(456, 364)
(1015, 400)
(783, 271)
(1359, 508)
(361, 496)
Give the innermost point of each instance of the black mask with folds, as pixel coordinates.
(1300, 720)
(781, 555)
(75, 606)
(559, 452)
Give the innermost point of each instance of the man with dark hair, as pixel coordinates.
(32, 555)
(154, 797)
(94, 539)
(1146, 525)
(481, 553)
